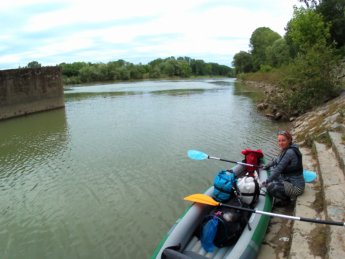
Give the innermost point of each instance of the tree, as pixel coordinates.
(135, 72)
(81, 72)
(33, 64)
(200, 68)
(183, 69)
(73, 69)
(310, 3)
(156, 62)
(167, 68)
(261, 38)
(312, 78)
(278, 53)
(333, 12)
(243, 62)
(155, 72)
(306, 29)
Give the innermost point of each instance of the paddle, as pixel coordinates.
(309, 176)
(204, 199)
(198, 155)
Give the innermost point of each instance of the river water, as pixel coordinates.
(106, 176)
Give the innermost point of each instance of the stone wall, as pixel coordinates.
(28, 90)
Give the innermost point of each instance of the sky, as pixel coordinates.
(138, 31)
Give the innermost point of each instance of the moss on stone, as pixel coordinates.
(318, 240)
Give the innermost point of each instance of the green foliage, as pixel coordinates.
(310, 81)
(70, 70)
(120, 70)
(306, 29)
(260, 40)
(305, 65)
(265, 68)
(333, 11)
(33, 64)
(310, 3)
(273, 77)
(278, 54)
(243, 62)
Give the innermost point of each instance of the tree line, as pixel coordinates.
(121, 70)
(308, 61)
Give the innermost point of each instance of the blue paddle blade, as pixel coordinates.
(196, 155)
(309, 176)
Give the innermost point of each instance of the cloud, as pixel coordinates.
(57, 31)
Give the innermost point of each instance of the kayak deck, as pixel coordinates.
(182, 235)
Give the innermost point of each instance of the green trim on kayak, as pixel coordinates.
(253, 247)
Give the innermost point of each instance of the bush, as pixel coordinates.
(265, 68)
(310, 81)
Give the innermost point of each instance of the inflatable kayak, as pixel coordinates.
(182, 242)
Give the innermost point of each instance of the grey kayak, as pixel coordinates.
(181, 241)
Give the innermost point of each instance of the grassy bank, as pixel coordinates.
(273, 77)
(295, 89)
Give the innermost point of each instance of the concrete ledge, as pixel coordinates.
(338, 148)
(334, 186)
(304, 243)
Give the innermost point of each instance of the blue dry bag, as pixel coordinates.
(223, 183)
(208, 234)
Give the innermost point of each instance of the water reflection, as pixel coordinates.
(179, 92)
(79, 96)
(249, 91)
(24, 140)
(221, 82)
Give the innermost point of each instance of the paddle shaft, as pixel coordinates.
(318, 221)
(225, 160)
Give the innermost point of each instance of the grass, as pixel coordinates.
(272, 77)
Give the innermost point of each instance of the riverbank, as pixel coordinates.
(263, 106)
(318, 132)
(315, 124)
(171, 78)
(329, 116)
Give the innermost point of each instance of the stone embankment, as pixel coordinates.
(269, 110)
(322, 135)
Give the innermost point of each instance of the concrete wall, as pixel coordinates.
(28, 90)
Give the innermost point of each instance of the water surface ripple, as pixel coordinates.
(105, 177)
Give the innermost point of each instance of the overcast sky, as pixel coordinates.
(138, 31)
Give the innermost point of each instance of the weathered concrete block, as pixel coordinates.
(28, 90)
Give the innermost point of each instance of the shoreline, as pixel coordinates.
(148, 79)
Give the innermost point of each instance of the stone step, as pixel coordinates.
(338, 148)
(333, 181)
(303, 243)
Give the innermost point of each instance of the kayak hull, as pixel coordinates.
(181, 236)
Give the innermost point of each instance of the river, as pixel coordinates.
(106, 176)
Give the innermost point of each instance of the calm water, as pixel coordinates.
(105, 177)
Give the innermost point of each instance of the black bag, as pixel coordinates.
(231, 223)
